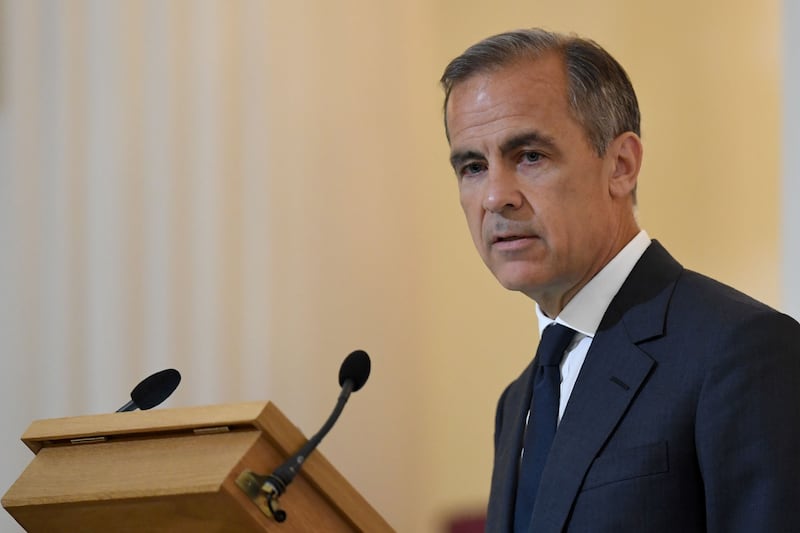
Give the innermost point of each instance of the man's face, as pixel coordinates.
(535, 194)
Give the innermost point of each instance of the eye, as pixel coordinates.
(531, 157)
(473, 168)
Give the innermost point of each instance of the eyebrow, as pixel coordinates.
(458, 158)
(528, 138)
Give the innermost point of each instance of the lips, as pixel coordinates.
(504, 234)
(511, 237)
(506, 238)
(512, 243)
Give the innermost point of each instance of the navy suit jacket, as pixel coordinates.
(685, 417)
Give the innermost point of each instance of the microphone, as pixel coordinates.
(353, 375)
(355, 368)
(152, 390)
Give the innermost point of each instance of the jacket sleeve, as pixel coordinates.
(748, 428)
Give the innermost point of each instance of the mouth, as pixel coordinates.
(512, 243)
(510, 238)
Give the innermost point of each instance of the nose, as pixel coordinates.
(502, 191)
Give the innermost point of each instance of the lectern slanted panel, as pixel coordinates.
(174, 470)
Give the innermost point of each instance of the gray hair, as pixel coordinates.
(600, 94)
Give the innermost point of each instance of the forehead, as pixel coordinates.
(530, 93)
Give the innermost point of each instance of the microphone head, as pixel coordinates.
(155, 389)
(356, 368)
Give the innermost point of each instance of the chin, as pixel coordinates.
(524, 273)
(517, 287)
(526, 283)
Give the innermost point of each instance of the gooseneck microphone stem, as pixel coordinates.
(285, 473)
(264, 490)
(130, 406)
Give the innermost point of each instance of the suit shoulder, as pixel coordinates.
(725, 327)
(697, 294)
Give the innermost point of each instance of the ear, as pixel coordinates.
(625, 158)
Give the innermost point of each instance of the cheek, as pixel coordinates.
(475, 227)
(473, 212)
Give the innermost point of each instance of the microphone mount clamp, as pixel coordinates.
(263, 492)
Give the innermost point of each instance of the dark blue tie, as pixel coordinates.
(542, 420)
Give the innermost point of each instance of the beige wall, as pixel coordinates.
(289, 200)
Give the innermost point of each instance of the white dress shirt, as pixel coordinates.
(585, 310)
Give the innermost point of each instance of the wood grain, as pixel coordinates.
(153, 471)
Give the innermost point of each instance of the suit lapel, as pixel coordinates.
(596, 405)
(612, 374)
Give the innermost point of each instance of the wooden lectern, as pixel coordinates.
(175, 470)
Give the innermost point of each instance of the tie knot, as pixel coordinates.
(555, 339)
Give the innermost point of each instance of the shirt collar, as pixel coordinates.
(585, 310)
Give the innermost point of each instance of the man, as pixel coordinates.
(676, 404)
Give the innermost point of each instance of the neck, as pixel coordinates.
(553, 301)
